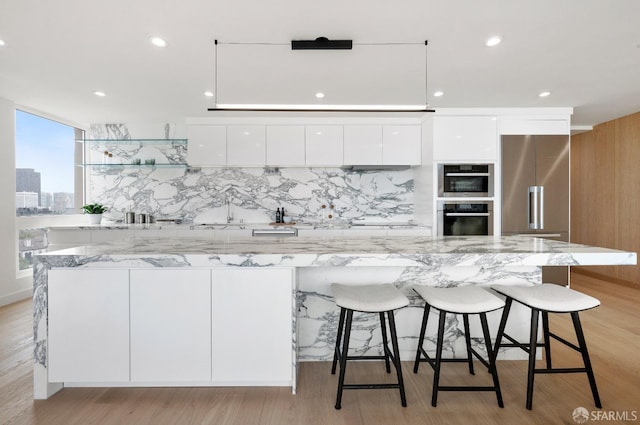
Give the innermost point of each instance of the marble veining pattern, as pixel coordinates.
(404, 261)
(201, 194)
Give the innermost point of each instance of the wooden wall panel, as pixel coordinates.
(605, 191)
(593, 189)
(628, 190)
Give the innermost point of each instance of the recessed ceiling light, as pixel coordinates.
(493, 41)
(438, 93)
(157, 41)
(208, 93)
(99, 93)
(319, 95)
(2, 43)
(544, 93)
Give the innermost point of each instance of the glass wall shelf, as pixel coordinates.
(139, 141)
(163, 165)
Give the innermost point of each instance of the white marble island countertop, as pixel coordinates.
(486, 251)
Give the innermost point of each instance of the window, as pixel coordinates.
(46, 180)
(45, 152)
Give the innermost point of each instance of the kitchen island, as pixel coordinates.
(202, 312)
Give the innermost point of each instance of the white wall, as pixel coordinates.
(11, 288)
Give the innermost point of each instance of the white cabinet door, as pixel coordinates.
(465, 138)
(170, 325)
(88, 337)
(252, 319)
(402, 145)
(246, 145)
(363, 144)
(207, 145)
(285, 145)
(535, 125)
(324, 145)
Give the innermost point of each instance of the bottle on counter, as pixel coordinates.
(278, 216)
(282, 215)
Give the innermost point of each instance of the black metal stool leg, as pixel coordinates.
(423, 329)
(547, 340)
(503, 324)
(343, 358)
(436, 369)
(467, 339)
(385, 343)
(396, 357)
(338, 338)
(533, 342)
(490, 356)
(585, 357)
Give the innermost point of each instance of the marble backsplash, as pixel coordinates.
(171, 190)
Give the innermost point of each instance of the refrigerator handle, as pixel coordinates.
(536, 207)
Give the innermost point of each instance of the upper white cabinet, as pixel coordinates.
(362, 144)
(246, 145)
(298, 145)
(401, 145)
(465, 138)
(285, 145)
(207, 145)
(382, 145)
(324, 145)
(531, 125)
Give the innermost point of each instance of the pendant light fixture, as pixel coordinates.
(320, 43)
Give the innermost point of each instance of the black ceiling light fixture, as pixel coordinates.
(320, 43)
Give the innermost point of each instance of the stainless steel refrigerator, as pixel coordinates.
(535, 191)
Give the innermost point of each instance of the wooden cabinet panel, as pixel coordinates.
(628, 185)
(604, 199)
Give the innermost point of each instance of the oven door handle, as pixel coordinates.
(467, 174)
(467, 214)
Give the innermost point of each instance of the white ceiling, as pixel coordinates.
(586, 52)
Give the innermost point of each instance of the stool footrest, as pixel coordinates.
(562, 370)
(368, 386)
(463, 388)
(365, 357)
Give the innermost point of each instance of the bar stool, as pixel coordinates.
(548, 298)
(382, 298)
(464, 300)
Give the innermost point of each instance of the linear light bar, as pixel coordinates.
(320, 108)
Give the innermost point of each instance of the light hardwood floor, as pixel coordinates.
(612, 332)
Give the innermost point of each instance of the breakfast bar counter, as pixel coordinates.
(204, 312)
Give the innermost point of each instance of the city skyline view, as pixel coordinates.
(48, 147)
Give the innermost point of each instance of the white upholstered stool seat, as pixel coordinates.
(544, 299)
(368, 298)
(381, 299)
(460, 299)
(549, 297)
(464, 300)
